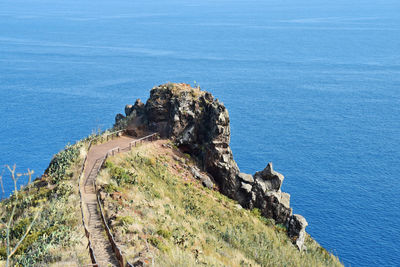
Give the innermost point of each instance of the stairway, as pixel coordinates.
(102, 248)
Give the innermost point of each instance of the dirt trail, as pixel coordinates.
(101, 245)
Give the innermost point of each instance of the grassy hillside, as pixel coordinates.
(57, 236)
(161, 215)
(158, 212)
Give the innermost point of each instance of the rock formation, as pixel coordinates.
(296, 226)
(199, 125)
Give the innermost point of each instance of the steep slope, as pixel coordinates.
(162, 213)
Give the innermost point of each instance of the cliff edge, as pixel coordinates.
(199, 125)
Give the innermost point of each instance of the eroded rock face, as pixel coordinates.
(119, 117)
(263, 191)
(296, 226)
(199, 125)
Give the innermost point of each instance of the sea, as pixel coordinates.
(312, 86)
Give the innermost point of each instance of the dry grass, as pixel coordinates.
(183, 88)
(165, 217)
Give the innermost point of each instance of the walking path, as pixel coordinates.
(102, 248)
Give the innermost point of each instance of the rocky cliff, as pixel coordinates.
(199, 125)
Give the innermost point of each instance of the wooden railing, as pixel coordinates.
(87, 233)
(118, 253)
(91, 252)
(133, 143)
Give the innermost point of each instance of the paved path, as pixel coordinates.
(101, 245)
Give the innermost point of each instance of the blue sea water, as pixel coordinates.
(313, 86)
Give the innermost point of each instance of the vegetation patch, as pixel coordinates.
(57, 234)
(175, 221)
(61, 162)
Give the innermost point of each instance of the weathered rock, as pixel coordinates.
(296, 226)
(269, 179)
(139, 107)
(195, 172)
(272, 204)
(119, 117)
(207, 182)
(247, 178)
(246, 187)
(128, 110)
(285, 199)
(263, 192)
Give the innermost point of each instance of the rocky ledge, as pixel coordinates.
(199, 125)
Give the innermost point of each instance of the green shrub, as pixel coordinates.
(125, 220)
(120, 175)
(61, 162)
(155, 242)
(110, 188)
(256, 212)
(19, 229)
(3, 252)
(164, 233)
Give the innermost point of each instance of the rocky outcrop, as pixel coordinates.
(199, 125)
(263, 191)
(296, 226)
(205, 179)
(119, 117)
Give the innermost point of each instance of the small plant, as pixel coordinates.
(125, 220)
(164, 233)
(10, 251)
(256, 212)
(280, 227)
(155, 242)
(110, 188)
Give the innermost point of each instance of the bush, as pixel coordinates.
(256, 213)
(120, 175)
(61, 162)
(110, 188)
(164, 233)
(155, 242)
(125, 220)
(3, 252)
